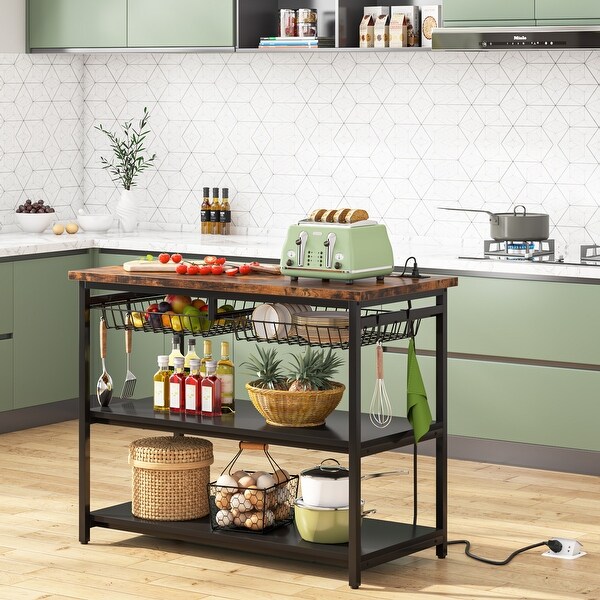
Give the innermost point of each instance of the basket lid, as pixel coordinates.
(170, 450)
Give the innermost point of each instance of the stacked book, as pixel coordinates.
(296, 42)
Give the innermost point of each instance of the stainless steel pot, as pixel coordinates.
(516, 225)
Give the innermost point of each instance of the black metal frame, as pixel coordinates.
(371, 541)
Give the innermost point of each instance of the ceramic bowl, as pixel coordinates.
(34, 222)
(95, 223)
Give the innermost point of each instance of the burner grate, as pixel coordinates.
(519, 250)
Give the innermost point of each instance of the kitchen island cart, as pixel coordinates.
(376, 310)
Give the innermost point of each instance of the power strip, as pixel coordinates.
(569, 549)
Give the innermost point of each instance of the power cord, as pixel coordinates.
(554, 545)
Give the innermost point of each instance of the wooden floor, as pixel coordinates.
(498, 508)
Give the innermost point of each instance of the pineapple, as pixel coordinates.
(313, 370)
(267, 369)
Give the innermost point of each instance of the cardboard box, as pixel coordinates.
(398, 31)
(366, 32)
(431, 17)
(382, 31)
(413, 22)
(375, 11)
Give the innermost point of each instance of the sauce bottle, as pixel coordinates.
(225, 217)
(176, 351)
(207, 356)
(205, 226)
(215, 213)
(211, 392)
(226, 373)
(161, 384)
(191, 354)
(193, 388)
(177, 386)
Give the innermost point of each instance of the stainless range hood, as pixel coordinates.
(516, 38)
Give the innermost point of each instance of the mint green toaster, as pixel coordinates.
(345, 251)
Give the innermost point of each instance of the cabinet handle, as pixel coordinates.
(253, 446)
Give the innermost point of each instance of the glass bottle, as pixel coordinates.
(215, 213)
(176, 351)
(161, 384)
(177, 386)
(211, 392)
(226, 373)
(207, 356)
(225, 217)
(193, 384)
(191, 353)
(205, 212)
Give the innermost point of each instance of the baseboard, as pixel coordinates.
(36, 416)
(517, 454)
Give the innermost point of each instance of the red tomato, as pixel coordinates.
(193, 270)
(245, 269)
(232, 272)
(210, 260)
(181, 269)
(254, 264)
(221, 260)
(176, 258)
(216, 269)
(164, 258)
(205, 270)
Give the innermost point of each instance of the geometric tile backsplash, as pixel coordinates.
(397, 133)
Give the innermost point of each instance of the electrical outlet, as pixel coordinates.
(570, 549)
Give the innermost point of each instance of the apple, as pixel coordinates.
(179, 303)
(192, 318)
(198, 303)
(169, 298)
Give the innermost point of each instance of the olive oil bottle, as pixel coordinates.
(215, 213)
(226, 373)
(225, 218)
(205, 225)
(161, 384)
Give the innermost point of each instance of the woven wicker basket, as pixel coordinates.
(169, 478)
(295, 409)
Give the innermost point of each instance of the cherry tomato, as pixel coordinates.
(210, 260)
(164, 258)
(176, 258)
(245, 269)
(193, 270)
(254, 264)
(205, 270)
(232, 272)
(221, 260)
(181, 269)
(216, 269)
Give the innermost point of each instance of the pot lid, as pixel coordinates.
(332, 471)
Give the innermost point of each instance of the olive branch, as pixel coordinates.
(128, 161)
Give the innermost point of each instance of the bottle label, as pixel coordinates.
(159, 394)
(215, 216)
(205, 216)
(225, 216)
(226, 388)
(175, 396)
(207, 399)
(190, 396)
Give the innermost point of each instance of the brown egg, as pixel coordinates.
(222, 499)
(246, 481)
(238, 502)
(281, 475)
(282, 512)
(256, 497)
(224, 518)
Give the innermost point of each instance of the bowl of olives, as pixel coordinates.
(34, 217)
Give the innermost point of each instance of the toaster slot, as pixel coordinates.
(329, 243)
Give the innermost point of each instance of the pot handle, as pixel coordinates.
(487, 212)
(397, 471)
(368, 512)
(334, 468)
(520, 206)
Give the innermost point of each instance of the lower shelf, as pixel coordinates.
(382, 541)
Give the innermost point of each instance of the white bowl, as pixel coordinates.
(34, 222)
(96, 223)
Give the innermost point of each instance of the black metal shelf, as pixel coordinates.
(381, 541)
(247, 424)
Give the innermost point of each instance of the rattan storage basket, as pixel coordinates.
(295, 409)
(169, 477)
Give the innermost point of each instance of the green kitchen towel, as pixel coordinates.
(417, 407)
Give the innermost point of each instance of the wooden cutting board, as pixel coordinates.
(154, 266)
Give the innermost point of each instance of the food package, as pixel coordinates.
(382, 32)
(431, 17)
(413, 23)
(366, 32)
(398, 31)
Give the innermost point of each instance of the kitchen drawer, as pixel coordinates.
(180, 23)
(581, 22)
(500, 23)
(6, 314)
(573, 9)
(488, 10)
(6, 374)
(77, 23)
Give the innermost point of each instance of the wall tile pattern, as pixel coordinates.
(398, 133)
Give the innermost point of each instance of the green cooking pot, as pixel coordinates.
(323, 525)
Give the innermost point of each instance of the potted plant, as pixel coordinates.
(127, 163)
(304, 396)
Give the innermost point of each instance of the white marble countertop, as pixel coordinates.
(269, 246)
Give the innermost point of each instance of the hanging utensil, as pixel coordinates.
(104, 387)
(130, 378)
(381, 408)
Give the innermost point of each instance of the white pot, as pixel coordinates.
(127, 211)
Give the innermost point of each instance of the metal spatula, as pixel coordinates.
(104, 387)
(130, 379)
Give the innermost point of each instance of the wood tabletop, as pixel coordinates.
(264, 284)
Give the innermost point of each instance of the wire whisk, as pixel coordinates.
(381, 409)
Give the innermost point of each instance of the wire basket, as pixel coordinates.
(250, 507)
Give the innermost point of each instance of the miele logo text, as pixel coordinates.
(519, 37)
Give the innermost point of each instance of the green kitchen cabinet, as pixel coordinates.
(580, 22)
(45, 342)
(6, 314)
(6, 374)
(500, 23)
(77, 23)
(194, 23)
(488, 11)
(560, 11)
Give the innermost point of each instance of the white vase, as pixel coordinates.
(127, 211)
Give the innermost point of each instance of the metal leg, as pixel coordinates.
(84, 414)
(441, 443)
(354, 413)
